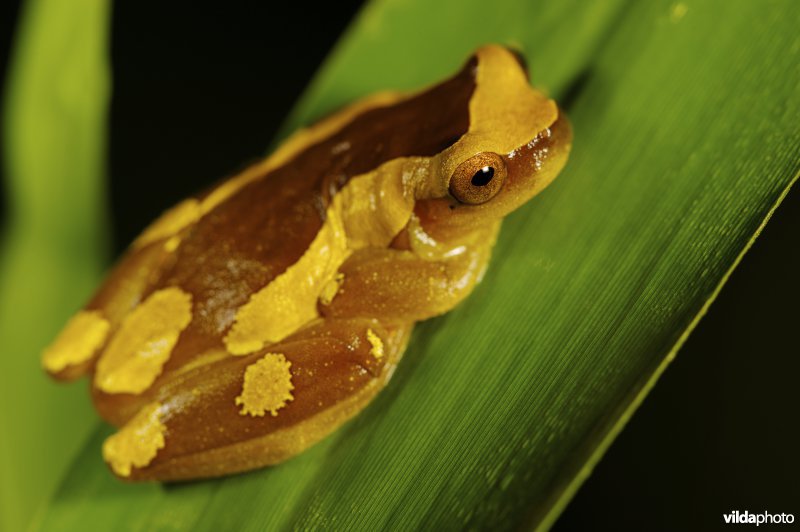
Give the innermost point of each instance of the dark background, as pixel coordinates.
(199, 91)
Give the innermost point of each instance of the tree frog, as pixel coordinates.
(251, 320)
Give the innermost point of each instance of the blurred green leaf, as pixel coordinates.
(686, 139)
(54, 245)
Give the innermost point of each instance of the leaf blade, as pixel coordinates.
(662, 195)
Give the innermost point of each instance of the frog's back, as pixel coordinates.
(267, 223)
(261, 230)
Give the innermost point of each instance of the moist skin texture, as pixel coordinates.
(252, 320)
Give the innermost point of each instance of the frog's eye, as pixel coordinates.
(478, 179)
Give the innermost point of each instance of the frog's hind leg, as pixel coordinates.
(245, 412)
(75, 350)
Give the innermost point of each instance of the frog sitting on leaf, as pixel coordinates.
(250, 321)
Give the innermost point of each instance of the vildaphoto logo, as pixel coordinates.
(746, 518)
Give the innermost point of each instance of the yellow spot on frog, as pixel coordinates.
(376, 343)
(330, 290)
(78, 341)
(289, 301)
(144, 341)
(137, 443)
(172, 244)
(267, 386)
(171, 222)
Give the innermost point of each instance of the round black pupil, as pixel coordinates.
(483, 176)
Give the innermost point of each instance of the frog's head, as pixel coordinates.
(516, 144)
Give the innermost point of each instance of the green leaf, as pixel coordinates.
(53, 248)
(686, 139)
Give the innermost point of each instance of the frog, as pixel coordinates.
(253, 319)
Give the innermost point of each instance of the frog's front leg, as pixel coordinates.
(403, 284)
(244, 412)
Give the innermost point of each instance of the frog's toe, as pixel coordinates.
(245, 412)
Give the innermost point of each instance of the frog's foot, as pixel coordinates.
(75, 350)
(244, 412)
